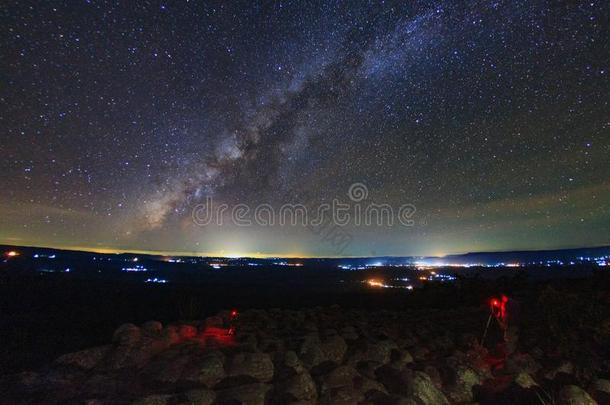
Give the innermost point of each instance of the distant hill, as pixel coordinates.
(482, 258)
(527, 256)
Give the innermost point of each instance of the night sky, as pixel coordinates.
(490, 117)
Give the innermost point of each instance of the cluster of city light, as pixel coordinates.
(421, 265)
(369, 266)
(102, 258)
(43, 255)
(379, 284)
(437, 277)
(47, 270)
(137, 268)
(427, 266)
(350, 267)
(287, 264)
(156, 280)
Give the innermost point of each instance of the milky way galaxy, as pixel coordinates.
(120, 118)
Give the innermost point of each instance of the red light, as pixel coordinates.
(234, 313)
(498, 307)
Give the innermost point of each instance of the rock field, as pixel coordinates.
(319, 355)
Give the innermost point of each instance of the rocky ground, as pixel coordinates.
(320, 355)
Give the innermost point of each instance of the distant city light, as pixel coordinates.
(41, 255)
(283, 263)
(380, 284)
(156, 280)
(136, 268)
(375, 283)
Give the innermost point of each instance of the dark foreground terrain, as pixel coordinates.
(324, 345)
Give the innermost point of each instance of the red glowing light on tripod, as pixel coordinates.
(498, 307)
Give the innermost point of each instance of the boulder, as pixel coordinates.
(123, 357)
(565, 367)
(27, 379)
(400, 358)
(186, 331)
(101, 384)
(334, 348)
(256, 365)
(349, 333)
(476, 358)
(395, 381)
(301, 387)
(342, 396)
(574, 395)
(247, 340)
(287, 364)
(521, 362)
(310, 351)
(153, 400)
(341, 376)
(420, 353)
(200, 397)
(170, 336)
(127, 334)
(152, 327)
(408, 340)
(380, 351)
(368, 368)
(208, 370)
(310, 326)
(442, 343)
(424, 391)
(166, 369)
(434, 374)
(524, 380)
(269, 344)
(600, 391)
(328, 332)
(85, 359)
(344, 384)
(601, 385)
(250, 394)
(468, 341)
(464, 379)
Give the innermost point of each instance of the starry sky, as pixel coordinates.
(117, 118)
